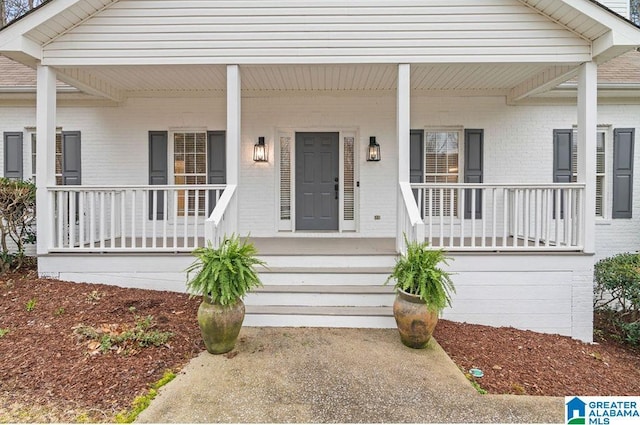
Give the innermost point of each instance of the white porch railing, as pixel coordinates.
(167, 218)
(501, 217)
(222, 223)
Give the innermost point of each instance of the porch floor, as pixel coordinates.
(324, 246)
(313, 245)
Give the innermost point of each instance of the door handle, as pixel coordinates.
(336, 187)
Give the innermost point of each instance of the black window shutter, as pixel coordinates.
(473, 163)
(71, 158)
(416, 156)
(623, 140)
(562, 163)
(158, 169)
(216, 162)
(416, 159)
(13, 155)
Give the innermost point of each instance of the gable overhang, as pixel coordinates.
(30, 40)
(618, 35)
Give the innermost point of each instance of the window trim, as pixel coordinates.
(460, 174)
(607, 185)
(33, 154)
(171, 161)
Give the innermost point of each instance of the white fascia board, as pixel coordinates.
(22, 46)
(612, 44)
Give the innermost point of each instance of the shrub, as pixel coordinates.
(617, 291)
(17, 219)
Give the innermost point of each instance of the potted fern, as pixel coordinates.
(423, 290)
(223, 276)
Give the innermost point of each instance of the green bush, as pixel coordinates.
(17, 220)
(631, 332)
(617, 291)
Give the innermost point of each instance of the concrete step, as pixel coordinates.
(324, 277)
(327, 289)
(315, 299)
(329, 261)
(320, 316)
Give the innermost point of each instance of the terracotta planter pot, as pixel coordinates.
(220, 325)
(414, 320)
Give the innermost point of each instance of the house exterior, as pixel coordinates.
(488, 136)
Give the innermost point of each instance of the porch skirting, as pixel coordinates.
(545, 292)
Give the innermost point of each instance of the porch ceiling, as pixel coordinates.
(195, 80)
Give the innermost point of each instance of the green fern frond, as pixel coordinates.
(224, 274)
(418, 273)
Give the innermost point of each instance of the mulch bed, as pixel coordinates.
(43, 359)
(525, 362)
(45, 363)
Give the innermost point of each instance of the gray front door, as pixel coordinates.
(317, 181)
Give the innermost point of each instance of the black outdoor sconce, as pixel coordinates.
(260, 151)
(374, 150)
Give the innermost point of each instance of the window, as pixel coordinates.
(58, 171)
(442, 153)
(600, 167)
(190, 167)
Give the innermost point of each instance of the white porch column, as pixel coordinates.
(233, 140)
(403, 120)
(233, 124)
(587, 128)
(403, 125)
(45, 154)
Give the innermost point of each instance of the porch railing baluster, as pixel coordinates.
(430, 214)
(134, 242)
(494, 213)
(154, 217)
(112, 225)
(505, 216)
(165, 218)
(461, 209)
(451, 217)
(472, 216)
(175, 219)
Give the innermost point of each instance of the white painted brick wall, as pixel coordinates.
(518, 146)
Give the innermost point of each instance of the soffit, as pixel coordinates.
(66, 20)
(181, 79)
(570, 18)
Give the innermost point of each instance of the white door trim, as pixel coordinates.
(288, 224)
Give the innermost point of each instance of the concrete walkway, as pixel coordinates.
(335, 375)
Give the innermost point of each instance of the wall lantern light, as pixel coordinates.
(374, 150)
(260, 151)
